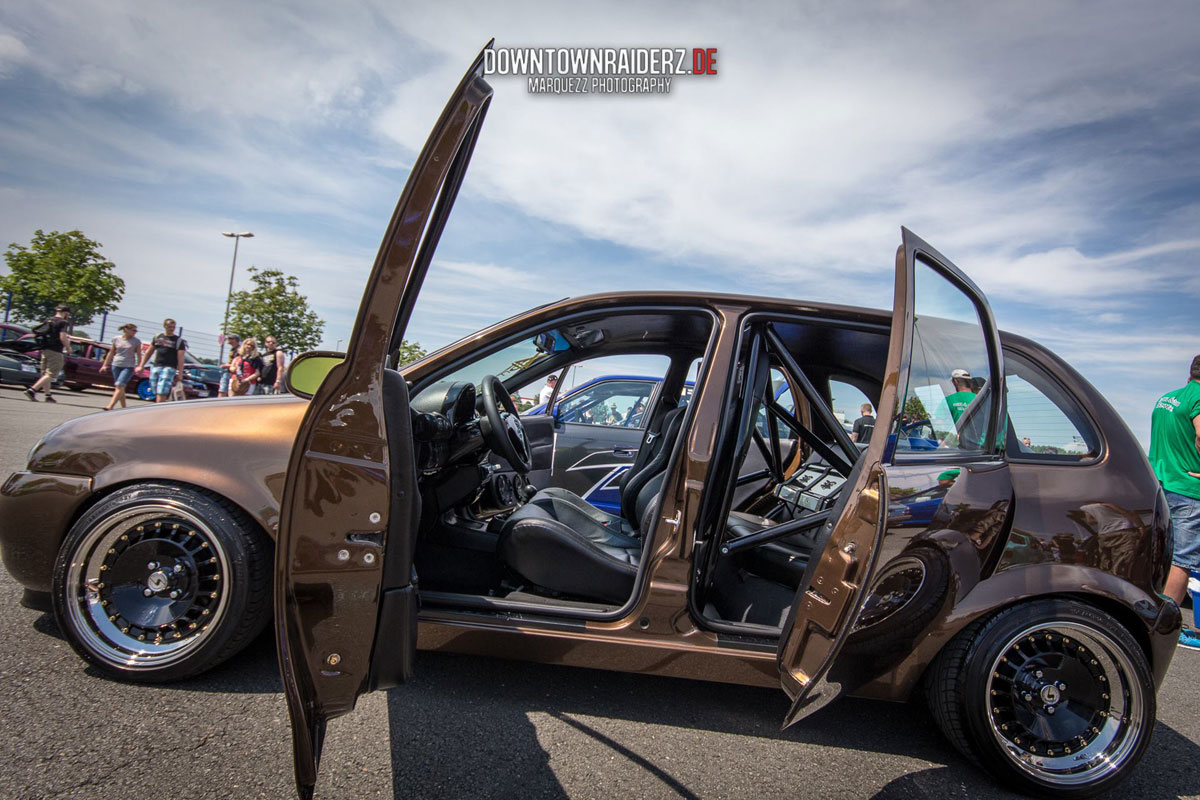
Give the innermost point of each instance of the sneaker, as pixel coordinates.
(31, 395)
(50, 399)
(1189, 638)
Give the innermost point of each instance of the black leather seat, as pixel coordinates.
(560, 542)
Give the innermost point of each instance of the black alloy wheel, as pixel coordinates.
(1054, 697)
(158, 582)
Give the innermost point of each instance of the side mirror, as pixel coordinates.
(306, 372)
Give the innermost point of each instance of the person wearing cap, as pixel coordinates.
(547, 390)
(53, 340)
(122, 358)
(964, 393)
(235, 343)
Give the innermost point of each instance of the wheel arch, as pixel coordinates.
(1153, 621)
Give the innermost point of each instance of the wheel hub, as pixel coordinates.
(1059, 705)
(151, 585)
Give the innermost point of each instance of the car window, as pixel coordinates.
(947, 401)
(608, 402)
(847, 402)
(612, 390)
(1044, 421)
(79, 349)
(782, 392)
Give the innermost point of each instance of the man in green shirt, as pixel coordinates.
(1175, 456)
(963, 395)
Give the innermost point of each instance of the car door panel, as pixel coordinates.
(830, 645)
(345, 597)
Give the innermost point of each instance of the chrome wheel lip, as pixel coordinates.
(1113, 743)
(90, 619)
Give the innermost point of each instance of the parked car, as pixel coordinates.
(591, 455)
(81, 362)
(10, 331)
(162, 534)
(21, 369)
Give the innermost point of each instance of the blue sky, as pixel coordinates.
(1048, 149)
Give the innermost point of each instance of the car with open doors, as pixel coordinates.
(388, 510)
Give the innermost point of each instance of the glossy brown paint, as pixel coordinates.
(344, 543)
(223, 446)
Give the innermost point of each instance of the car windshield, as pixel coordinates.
(502, 363)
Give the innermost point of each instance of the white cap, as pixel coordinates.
(960, 373)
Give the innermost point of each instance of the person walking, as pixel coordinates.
(167, 348)
(272, 369)
(52, 339)
(235, 343)
(864, 426)
(1175, 456)
(548, 390)
(122, 358)
(246, 368)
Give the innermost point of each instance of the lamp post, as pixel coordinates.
(229, 295)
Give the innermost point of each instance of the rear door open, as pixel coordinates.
(939, 316)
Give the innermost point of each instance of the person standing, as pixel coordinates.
(53, 341)
(122, 358)
(247, 369)
(964, 393)
(235, 344)
(548, 390)
(272, 368)
(864, 426)
(1175, 456)
(167, 348)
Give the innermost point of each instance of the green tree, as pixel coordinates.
(409, 352)
(275, 306)
(915, 408)
(60, 268)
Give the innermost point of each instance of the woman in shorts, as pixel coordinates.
(122, 358)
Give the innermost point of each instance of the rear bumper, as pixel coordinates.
(35, 510)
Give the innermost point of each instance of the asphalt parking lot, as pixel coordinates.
(472, 727)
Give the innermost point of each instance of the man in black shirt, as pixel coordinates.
(167, 349)
(53, 341)
(864, 426)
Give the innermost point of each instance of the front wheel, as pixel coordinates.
(1053, 697)
(157, 583)
(145, 390)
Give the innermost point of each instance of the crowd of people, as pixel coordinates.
(249, 370)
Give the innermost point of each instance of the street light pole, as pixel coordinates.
(229, 295)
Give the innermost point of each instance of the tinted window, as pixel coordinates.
(1044, 421)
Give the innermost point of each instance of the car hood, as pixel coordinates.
(204, 433)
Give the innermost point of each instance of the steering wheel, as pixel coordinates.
(501, 425)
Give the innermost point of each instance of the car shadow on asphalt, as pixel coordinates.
(485, 744)
(462, 727)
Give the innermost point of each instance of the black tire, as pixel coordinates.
(187, 572)
(79, 387)
(1028, 695)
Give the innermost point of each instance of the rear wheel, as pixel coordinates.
(145, 390)
(1053, 697)
(158, 582)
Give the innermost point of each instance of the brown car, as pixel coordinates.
(382, 511)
